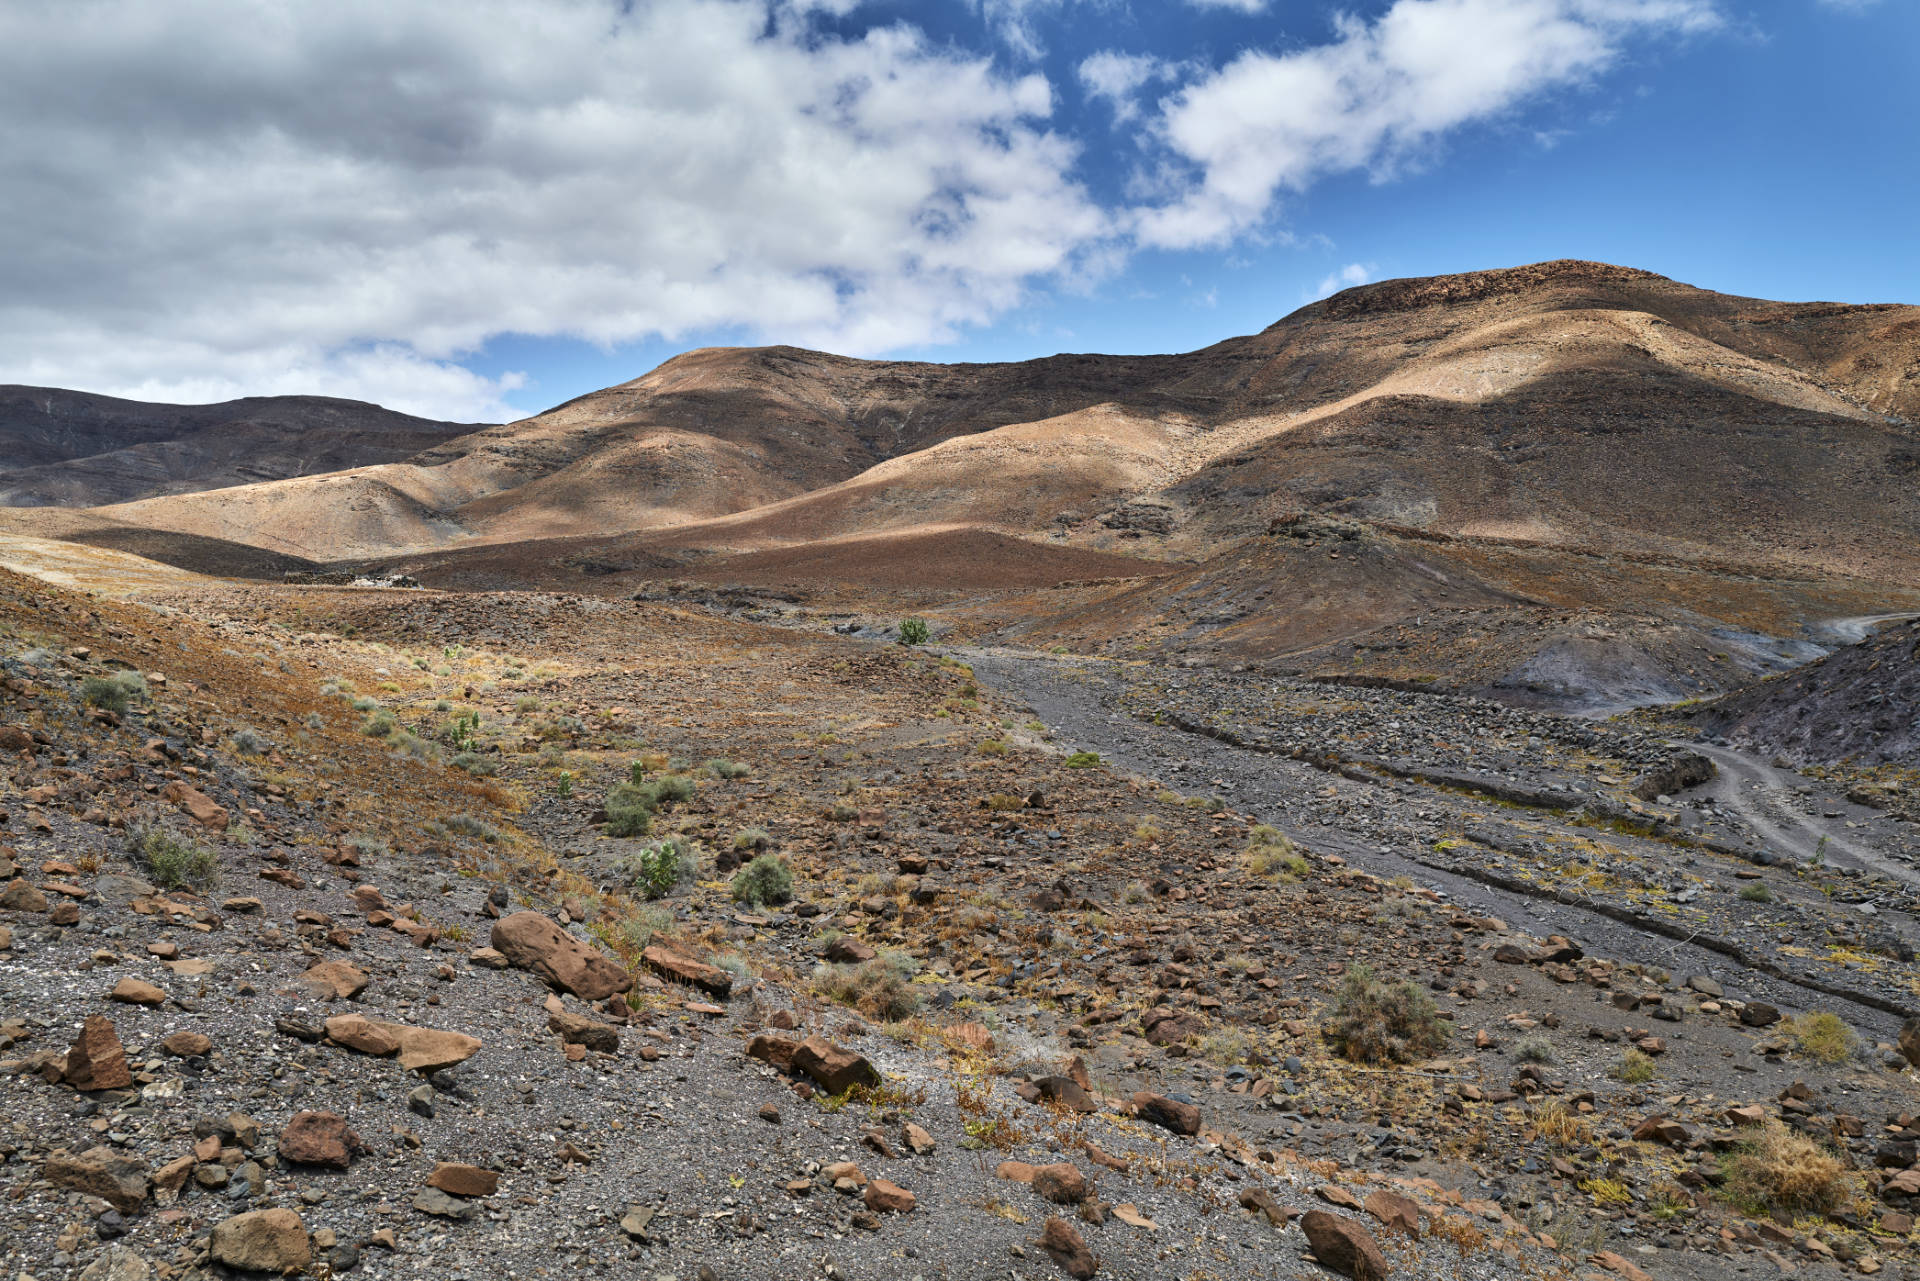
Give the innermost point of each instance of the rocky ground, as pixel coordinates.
(1051, 993)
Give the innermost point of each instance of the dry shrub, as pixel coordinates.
(880, 989)
(1824, 1038)
(1376, 1022)
(1780, 1168)
(1561, 1125)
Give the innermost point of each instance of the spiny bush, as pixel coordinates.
(639, 929)
(174, 863)
(379, 725)
(914, 631)
(1561, 1125)
(113, 693)
(764, 881)
(1824, 1038)
(1378, 1022)
(656, 870)
(468, 825)
(880, 989)
(1634, 1067)
(1780, 1168)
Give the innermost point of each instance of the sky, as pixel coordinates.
(477, 209)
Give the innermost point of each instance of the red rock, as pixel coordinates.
(1394, 1211)
(532, 942)
(358, 1032)
(835, 1068)
(137, 992)
(1341, 1244)
(777, 1050)
(1181, 1118)
(199, 806)
(97, 1061)
(672, 966)
(114, 1177)
(1062, 1183)
(847, 950)
(335, 980)
(187, 1045)
(1063, 1244)
(464, 1180)
(21, 896)
(320, 1138)
(884, 1197)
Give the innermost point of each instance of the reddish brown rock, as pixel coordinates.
(97, 1061)
(187, 1045)
(335, 981)
(834, 1067)
(262, 1241)
(22, 896)
(198, 805)
(359, 1033)
(1343, 1245)
(578, 1029)
(1394, 1211)
(669, 964)
(137, 992)
(883, 1197)
(532, 942)
(422, 1049)
(1163, 1026)
(114, 1177)
(320, 1138)
(1063, 1244)
(1170, 1114)
(847, 950)
(464, 1180)
(1062, 1183)
(777, 1050)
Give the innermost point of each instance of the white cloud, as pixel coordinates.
(1012, 22)
(210, 197)
(1354, 273)
(1377, 97)
(1239, 6)
(1117, 77)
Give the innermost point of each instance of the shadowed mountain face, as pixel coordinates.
(71, 449)
(1666, 471)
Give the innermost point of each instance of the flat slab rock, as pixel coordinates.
(532, 942)
(421, 1049)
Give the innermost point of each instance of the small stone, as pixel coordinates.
(1171, 1114)
(335, 981)
(137, 992)
(636, 1221)
(1343, 1246)
(464, 1180)
(262, 1241)
(320, 1138)
(117, 1264)
(919, 1140)
(1062, 1183)
(1759, 1014)
(1063, 1244)
(22, 896)
(836, 1068)
(187, 1045)
(436, 1202)
(888, 1198)
(770, 1114)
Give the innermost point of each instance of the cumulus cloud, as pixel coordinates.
(1354, 273)
(1375, 98)
(214, 196)
(1117, 78)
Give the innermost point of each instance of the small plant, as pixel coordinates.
(1780, 1168)
(174, 863)
(993, 747)
(914, 631)
(1634, 1067)
(1561, 1126)
(1378, 1022)
(842, 812)
(1824, 1038)
(379, 725)
(1226, 1047)
(1757, 893)
(468, 825)
(752, 838)
(763, 881)
(1135, 893)
(1534, 1049)
(1272, 857)
(563, 785)
(720, 767)
(881, 988)
(629, 811)
(368, 846)
(638, 930)
(656, 870)
(1082, 760)
(475, 764)
(461, 733)
(113, 693)
(248, 742)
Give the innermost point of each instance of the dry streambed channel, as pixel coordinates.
(1523, 815)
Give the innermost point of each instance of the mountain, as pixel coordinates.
(1562, 480)
(73, 449)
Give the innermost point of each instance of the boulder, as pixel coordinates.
(114, 1177)
(847, 950)
(22, 896)
(1169, 1114)
(359, 1033)
(670, 964)
(777, 1050)
(1163, 1026)
(200, 807)
(1065, 1092)
(1394, 1211)
(320, 1138)
(97, 1060)
(578, 1029)
(1759, 1014)
(834, 1067)
(532, 942)
(1344, 1246)
(262, 1241)
(422, 1049)
(1063, 1244)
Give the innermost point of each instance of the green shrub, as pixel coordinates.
(1781, 1168)
(764, 881)
(1377, 1022)
(658, 869)
(752, 838)
(174, 863)
(475, 764)
(1757, 893)
(1824, 1038)
(880, 989)
(720, 767)
(1083, 760)
(1271, 856)
(914, 631)
(629, 811)
(113, 693)
(563, 785)
(1534, 1049)
(379, 725)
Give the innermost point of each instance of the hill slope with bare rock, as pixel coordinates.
(72, 449)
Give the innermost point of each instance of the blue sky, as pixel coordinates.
(481, 210)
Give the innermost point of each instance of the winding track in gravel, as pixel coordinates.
(1074, 712)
